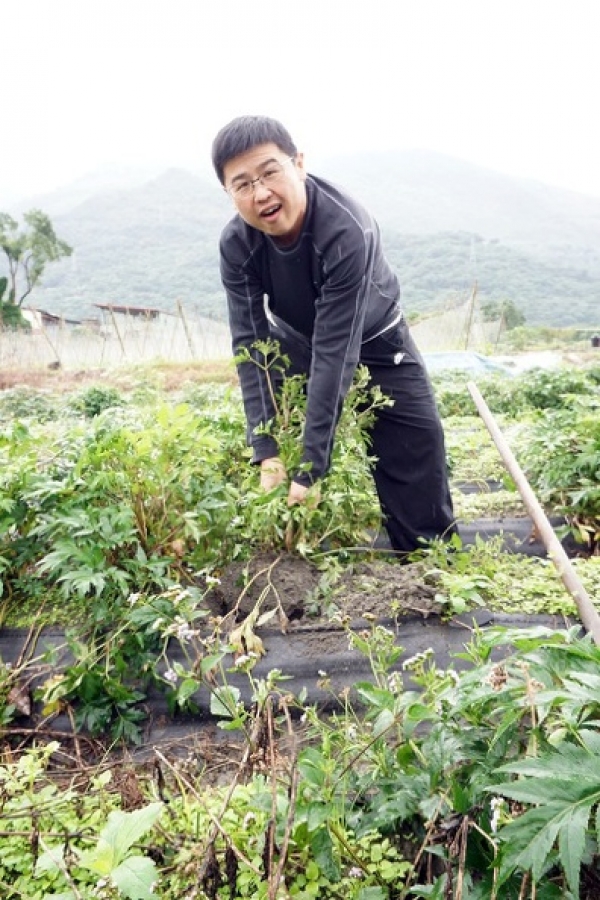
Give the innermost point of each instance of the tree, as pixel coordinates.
(506, 310)
(28, 251)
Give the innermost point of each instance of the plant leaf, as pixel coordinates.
(122, 829)
(571, 843)
(135, 878)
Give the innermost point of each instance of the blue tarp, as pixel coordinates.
(464, 361)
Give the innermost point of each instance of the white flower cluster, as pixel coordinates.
(418, 658)
(179, 628)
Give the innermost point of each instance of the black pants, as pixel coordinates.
(410, 470)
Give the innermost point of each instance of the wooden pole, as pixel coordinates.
(587, 611)
(118, 333)
(186, 328)
(53, 348)
(470, 316)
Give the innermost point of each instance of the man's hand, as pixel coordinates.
(272, 473)
(298, 493)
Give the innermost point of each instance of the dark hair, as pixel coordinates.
(243, 134)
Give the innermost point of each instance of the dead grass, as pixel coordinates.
(168, 375)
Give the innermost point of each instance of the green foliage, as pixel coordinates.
(28, 252)
(33, 804)
(372, 773)
(132, 874)
(505, 311)
(346, 504)
(434, 267)
(486, 771)
(538, 389)
(62, 843)
(560, 454)
(489, 768)
(561, 789)
(12, 317)
(95, 400)
(112, 507)
(24, 403)
(483, 574)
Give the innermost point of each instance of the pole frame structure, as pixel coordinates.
(587, 611)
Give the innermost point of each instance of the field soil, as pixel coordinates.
(290, 586)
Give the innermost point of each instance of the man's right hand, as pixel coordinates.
(272, 473)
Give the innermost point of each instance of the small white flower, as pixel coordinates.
(417, 658)
(322, 674)
(355, 872)
(170, 676)
(133, 598)
(244, 659)
(184, 632)
(395, 682)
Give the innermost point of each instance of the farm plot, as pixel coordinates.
(132, 527)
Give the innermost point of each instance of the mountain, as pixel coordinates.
(419, 191)
(153, 244)
(446, 224)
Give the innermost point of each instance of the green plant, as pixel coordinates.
(111, 861)
(28, 251)
(561, 457)
(94, 400)
(32, 406)
(61, 843)
(395, 793)
(483, 573)
(536, 389)
(561, 824)
(111, 670)
(346, 504)
(114, 505)
(36, 810)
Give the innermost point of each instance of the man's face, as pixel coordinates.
(276, 207)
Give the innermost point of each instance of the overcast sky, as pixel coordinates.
(512, 85)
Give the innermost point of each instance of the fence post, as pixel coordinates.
(114, 321)
(186, 329)
(53, 348)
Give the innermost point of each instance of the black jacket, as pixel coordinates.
(333, 286)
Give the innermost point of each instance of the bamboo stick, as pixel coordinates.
(587, 611)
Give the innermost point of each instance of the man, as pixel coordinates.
(302, 263)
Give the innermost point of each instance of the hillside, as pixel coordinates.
(421, 192)
(446, 224)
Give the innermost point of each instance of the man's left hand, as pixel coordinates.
(299, 494)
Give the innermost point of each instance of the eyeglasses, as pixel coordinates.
(273, 172)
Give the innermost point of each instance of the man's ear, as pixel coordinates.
(299, 163)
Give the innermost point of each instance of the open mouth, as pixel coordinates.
(270, 212)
